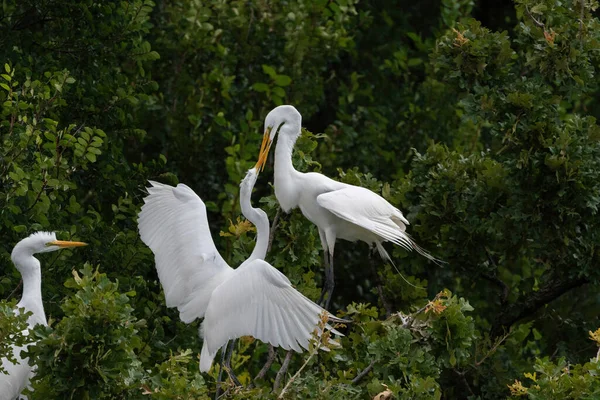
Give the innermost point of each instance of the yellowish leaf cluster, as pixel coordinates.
(239, 228)
(517, 388)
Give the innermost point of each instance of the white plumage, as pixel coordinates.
(173, 224)
(255, 299)
(339, 210)
(19, 373)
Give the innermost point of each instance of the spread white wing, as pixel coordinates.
(258, 301)
(173, 223)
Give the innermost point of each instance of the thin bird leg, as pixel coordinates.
(329, 281)
(384, 302)
(220, 376)
(227, 363)
(325, 264)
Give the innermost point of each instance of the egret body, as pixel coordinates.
(255, 299)
(18, 374)
(339, 210)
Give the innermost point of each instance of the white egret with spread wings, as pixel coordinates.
(255, 299)
(18, 374)
(339, 210)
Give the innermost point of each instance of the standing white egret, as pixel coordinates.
(255, 299)
(339, 210)
(18, 375)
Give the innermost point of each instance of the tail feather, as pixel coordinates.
(424, 252)
(206, 359)
(384, 254)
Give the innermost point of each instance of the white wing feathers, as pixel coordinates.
(372, 212)
(258, 301)
(368, 210)
(173, 223)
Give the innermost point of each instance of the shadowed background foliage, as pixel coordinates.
(476, 118)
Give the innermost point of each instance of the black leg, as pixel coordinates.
(325, 264)
(329, 282)
(227, 363)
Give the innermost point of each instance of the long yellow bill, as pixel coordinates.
(264, 150)
(66, 243)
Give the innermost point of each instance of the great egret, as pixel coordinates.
(338, 210)
(255, 299)
(18, 375)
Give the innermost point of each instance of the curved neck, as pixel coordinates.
(286, 189)
(259, 218)
(32, 287)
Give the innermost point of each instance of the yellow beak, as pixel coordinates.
(264, 150)
(65, 244)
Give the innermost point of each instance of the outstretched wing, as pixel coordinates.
(258, 301)
(174, 225)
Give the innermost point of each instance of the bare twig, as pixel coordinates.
(273, 229)
(364, 372)
(535, 21)
(496, 280)
(494, 348)
(282, 370)
(500, 283)
(44, 183)
(267, 366)
(293, 378)
(464, 380)
(411, 318)
(379, 283)
(15, 290)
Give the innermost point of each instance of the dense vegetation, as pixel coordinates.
(476, 118)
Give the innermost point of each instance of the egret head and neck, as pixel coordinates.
(255, 215)
(29, 267)
(287, 122)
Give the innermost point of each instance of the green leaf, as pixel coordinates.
(7, 68)
(282, 80)
(279, 91)
(91, 157)
(269, 70)
(19, 228)
(259, 87)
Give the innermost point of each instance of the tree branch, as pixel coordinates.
(282, 370)
(273, 229)
(535, 21)
(364, 372)
(267, 365)
(553, 289)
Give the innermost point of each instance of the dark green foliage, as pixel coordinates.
(91, 352)
(483, 132)
(12, 325)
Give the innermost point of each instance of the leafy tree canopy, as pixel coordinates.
(478, 119)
